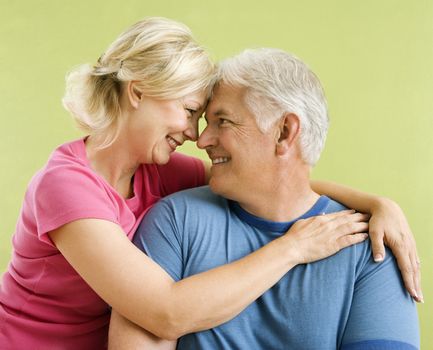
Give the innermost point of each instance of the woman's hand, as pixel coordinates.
(388, 225)
(321, 236)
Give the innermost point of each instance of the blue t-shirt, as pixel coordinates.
(343, 302)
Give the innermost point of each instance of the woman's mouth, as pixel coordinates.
(172, 142)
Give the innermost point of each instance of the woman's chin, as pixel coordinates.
(161, 159)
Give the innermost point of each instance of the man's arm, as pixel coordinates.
(382, 314)
(388, 225)
(125, 335)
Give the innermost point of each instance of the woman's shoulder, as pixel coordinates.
(73, 152)
(66, 167)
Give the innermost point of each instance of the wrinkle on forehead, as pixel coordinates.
(218, 108)
(229, 101)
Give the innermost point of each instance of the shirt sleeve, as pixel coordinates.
(180, 173)
(67, 193)
(160, 238)
(383, 315)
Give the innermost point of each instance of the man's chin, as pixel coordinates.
(215, 185)
(221, 188)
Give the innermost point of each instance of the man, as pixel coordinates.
(267, 124)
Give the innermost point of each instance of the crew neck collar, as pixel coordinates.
(274, 226)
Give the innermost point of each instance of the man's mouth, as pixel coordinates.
(220, 160)
(172, 142)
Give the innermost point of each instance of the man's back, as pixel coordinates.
(345, 300)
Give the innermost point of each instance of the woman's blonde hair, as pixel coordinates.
(159, 54)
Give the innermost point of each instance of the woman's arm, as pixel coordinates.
(144, 293)
(388, 225)
(125, 335)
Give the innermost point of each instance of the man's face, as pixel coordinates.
(241, 154)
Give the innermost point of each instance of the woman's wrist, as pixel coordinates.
(379, 203)
(287, 251)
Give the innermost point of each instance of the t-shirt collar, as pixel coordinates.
(263, 224)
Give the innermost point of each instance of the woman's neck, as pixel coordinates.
(114, 163)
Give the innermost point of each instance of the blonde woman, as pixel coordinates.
(72, 256)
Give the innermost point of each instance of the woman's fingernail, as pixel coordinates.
(421, 298)
(378, 257)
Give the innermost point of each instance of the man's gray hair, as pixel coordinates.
(277, 83)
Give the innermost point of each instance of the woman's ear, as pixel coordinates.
(134, 94)
(288, 132)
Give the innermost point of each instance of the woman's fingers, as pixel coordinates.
(389, 224)
(337, 214)
(417, 278)
(351, 239)
(407, 271)
(377, 244)
(404, 249)
(324, 235)
(416, 264)
(351, 223)
(334, 220)
(416, 272)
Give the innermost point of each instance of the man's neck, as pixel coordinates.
(291, 197)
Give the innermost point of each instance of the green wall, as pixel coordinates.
(375, 59)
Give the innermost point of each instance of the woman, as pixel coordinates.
(72, 252)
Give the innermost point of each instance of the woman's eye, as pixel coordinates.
(190, 111)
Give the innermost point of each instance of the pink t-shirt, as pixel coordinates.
(44, 303)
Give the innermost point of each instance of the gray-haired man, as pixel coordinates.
(267, 124)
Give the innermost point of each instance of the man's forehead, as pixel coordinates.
(224, 99)
(221, 89)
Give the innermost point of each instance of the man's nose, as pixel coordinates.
(206, 139)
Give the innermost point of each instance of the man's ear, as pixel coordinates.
(134, 94)
(288, 132)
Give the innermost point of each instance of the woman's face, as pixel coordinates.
(156, 127)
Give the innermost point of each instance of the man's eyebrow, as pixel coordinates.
(221, 112)
(218, 113)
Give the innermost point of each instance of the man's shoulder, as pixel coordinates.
(333, 206)
(202, 193)
(198, 199)
(362, 252)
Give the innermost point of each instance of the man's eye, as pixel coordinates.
(223, 121)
